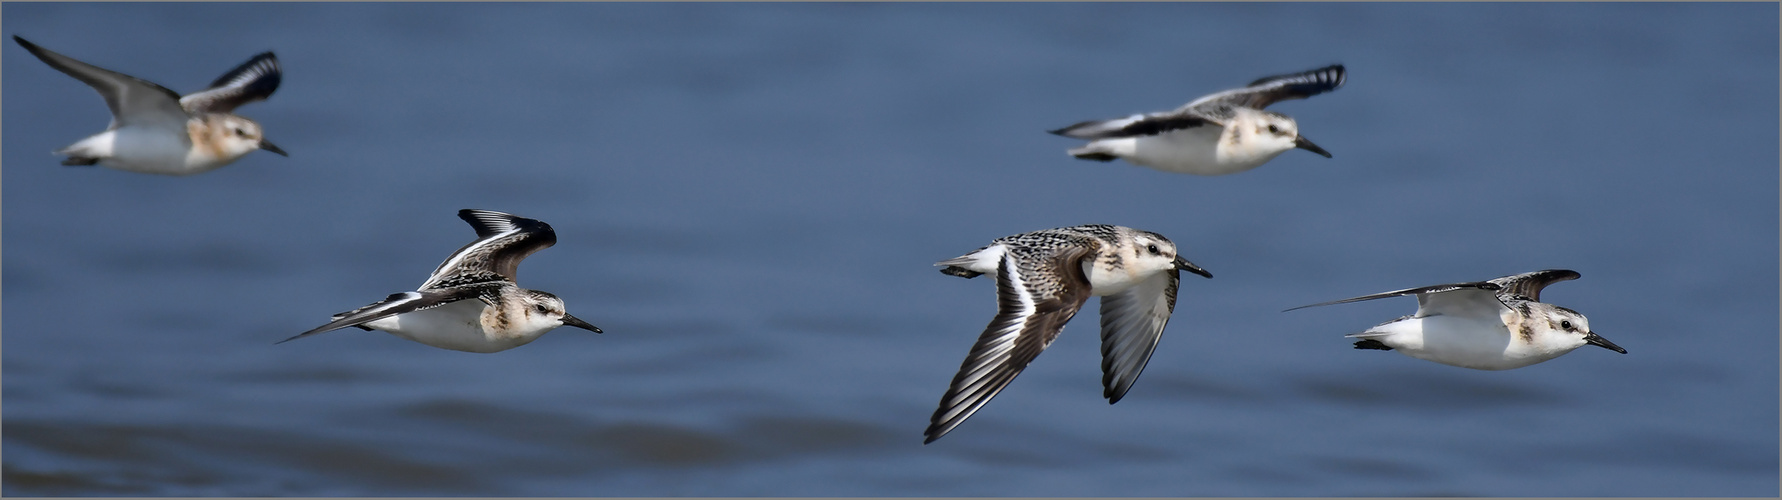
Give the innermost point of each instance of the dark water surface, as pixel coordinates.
(749, 198)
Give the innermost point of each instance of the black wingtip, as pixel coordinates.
(265, 85)
(31, 47)
(1101, 157)
(489, 222)
(1372, 344)
(960, 272)
(1290, 309)
(1065, 131)
(934, 432)
(1312, 82)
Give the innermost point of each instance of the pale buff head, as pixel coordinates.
(220, 138)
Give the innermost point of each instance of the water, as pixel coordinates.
(749, 199)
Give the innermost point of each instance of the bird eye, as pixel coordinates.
(1566, 324)
(1273, 129)
(542, 309)
(240, 132)
(1152, 248)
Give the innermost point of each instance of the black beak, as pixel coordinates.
(1184, 265)
(1302, 142)
(578, 323)
(267, 145)
(1597, 340)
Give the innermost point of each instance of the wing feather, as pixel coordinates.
(254, 80)
(1528, 286)
(133, 101)
(1131, 323)
(400, 303)
(1485, 285)
(1136, 125)
(503, 240)
(1030, 313)
(1272, 89)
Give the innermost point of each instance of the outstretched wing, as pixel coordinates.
(1422, 290)
(503, 240)
(1136, 125)
(405, 302)
(133, 101)
(254, 80)
(1527, 286)
(1272, 89)
(1131, 323)
(1032, 306)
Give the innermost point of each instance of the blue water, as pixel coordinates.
(748, 199)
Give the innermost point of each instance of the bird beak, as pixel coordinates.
(267, 145)
(578, 323)
(1302, 142)
(1597, 340)
(1183, 265)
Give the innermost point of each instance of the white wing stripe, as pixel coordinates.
(450, 266)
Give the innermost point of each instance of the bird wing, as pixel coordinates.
(1423, 293)
(1032, 306)
(1131, 323)
(503, 240)
(1527, 286)
(133, 101)
(1138, 125)
(405, 302)
(1272, 89)
(254, 80)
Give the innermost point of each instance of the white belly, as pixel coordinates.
(457, 326)
(1465, 342)
(1192, 151)
(140, 149)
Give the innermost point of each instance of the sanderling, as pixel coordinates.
(1042, 278)
(1219, 134)
(154, 130)
(1488, 325)
(470, 303)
